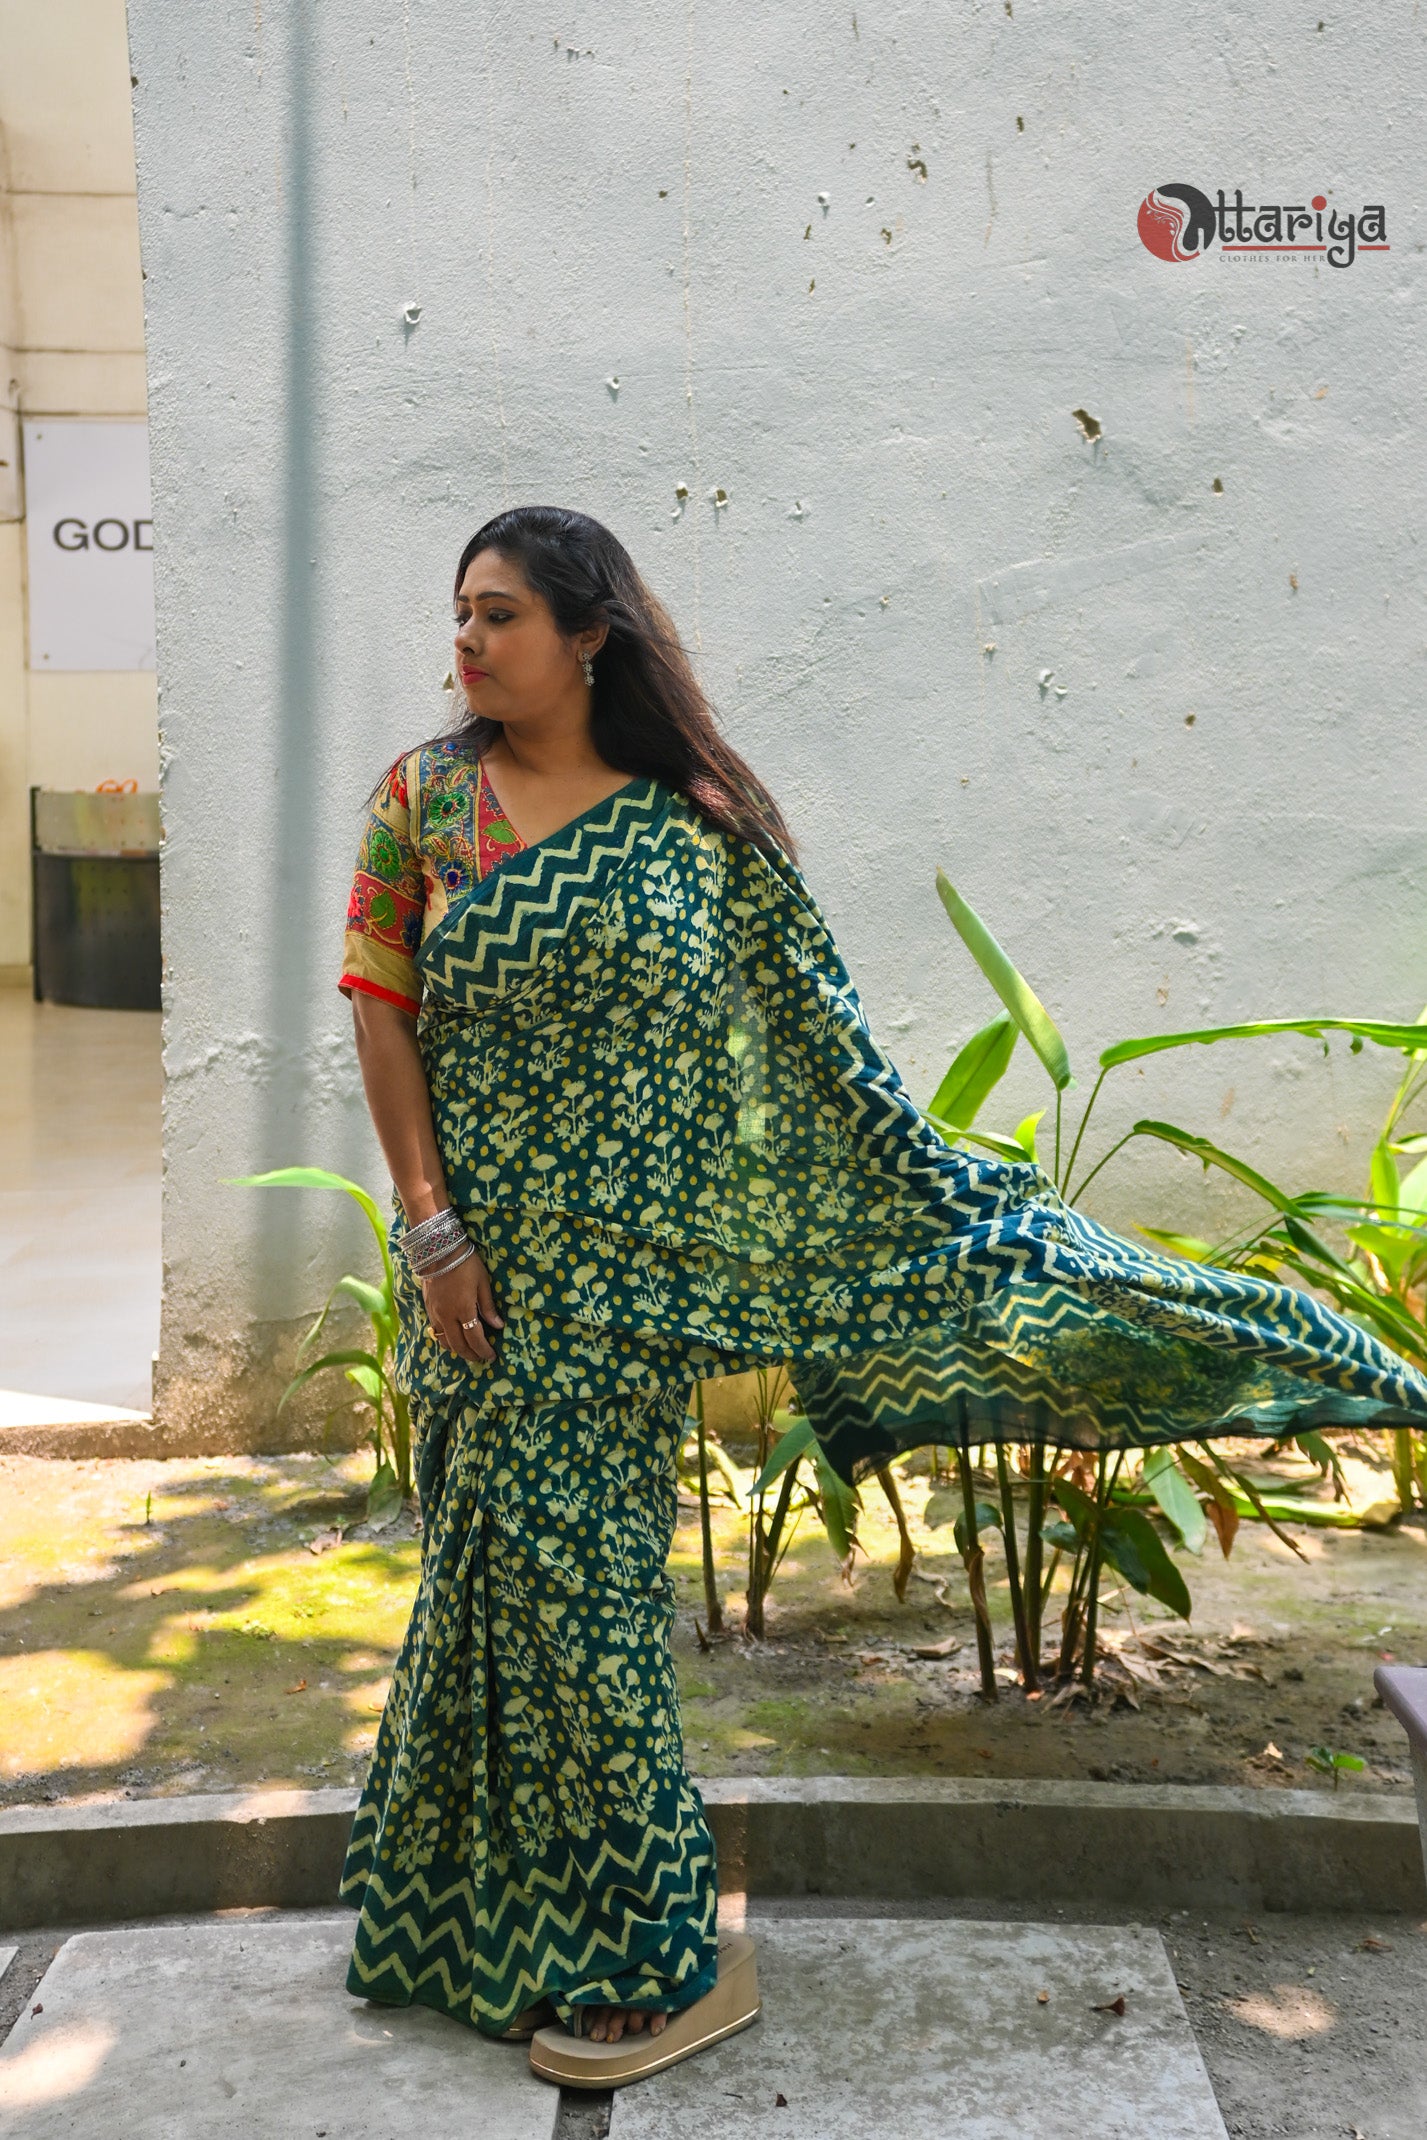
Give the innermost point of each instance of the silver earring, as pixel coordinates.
(589, 668)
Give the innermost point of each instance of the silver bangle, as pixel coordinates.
(439, 1270)
(433, 1241)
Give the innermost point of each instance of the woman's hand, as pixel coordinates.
(458, 1305)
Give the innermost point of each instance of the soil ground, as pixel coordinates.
(203, 1624)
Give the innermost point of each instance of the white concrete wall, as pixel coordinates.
(71, 344)
(1221, 817)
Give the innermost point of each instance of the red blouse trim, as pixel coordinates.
(358, 982)
(496, 838)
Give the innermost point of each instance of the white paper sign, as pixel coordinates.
(90, 545)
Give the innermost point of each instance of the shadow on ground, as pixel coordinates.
(210, 1623)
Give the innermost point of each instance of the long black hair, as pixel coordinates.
(648, 713)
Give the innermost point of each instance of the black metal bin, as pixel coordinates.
(95, 863)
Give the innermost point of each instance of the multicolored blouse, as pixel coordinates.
(435, 828)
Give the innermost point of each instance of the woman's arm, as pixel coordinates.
(400, 1106)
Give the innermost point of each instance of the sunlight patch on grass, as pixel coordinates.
(73, 1709)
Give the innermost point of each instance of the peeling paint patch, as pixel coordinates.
(1091, 426)
(1040, 583)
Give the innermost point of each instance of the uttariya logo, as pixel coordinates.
(1180, 223)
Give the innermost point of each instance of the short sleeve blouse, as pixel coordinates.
(434, 830)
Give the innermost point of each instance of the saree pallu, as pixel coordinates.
(666, 1123)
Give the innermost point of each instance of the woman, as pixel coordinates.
(640, 1133)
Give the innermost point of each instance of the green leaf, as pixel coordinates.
(990, 1140)
(1176, 1497)
(1212, 1155)
(786, 1450)
(1325, 1759)
(331, 1359)
(1024, 1006)
(978, 1068)
(1061, 1535)
(1026, 1135)
(988, 1518)
(1078, 1506)
(1187, 1245)
(1412, 1193)
(320, 1178)
(1394, 1248)
(839, 1506)
(1383, 1185)
(371, 1299)
(1411, 1038)
(1130, 1542)
(367, 1380)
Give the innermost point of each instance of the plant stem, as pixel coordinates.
(775, 1529)
(1402, 1472)
(1030, 1677)
(1079, 1134)
(1085, 1184)
(908, 1552)
(713, 1609)
(1070, 1618)
(1035, 1548)
(975, 1559)
(1104, 1488)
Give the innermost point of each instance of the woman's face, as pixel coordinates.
(512, 661)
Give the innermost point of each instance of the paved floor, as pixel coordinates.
(1311, 2028)
(237, 2026)
(80, 1165)
(985, 2031)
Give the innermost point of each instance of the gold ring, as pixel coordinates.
(472, 1324)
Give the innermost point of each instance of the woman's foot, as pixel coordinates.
(612, 2022)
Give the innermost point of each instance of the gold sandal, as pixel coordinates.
(733, 2004)
(524, 2025)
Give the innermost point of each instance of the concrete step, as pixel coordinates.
(1147, 1847)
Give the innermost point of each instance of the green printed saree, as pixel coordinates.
(668, 1127)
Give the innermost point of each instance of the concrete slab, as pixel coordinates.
(884, 2027)
(7, 1955)
(241, 2028)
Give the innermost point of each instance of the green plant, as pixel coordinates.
(1329, 1763)
(369, 1369)
(1104, 1522)
(1380, 1276)
(775, 1500)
